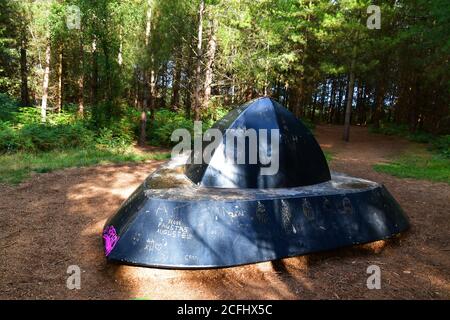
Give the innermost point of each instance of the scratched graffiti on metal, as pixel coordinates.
(286, 216)
(261, 213)
(136, 238)
(152, 245)
(162, 211)
(347, 205)
(307, 209)
(191, 258)
(174, 228)
(233, 213)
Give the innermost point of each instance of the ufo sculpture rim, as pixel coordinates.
(171, 222)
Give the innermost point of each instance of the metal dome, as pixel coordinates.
(301, 161)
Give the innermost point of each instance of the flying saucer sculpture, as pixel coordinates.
(223, 213)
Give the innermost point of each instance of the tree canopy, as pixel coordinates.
(317, 57)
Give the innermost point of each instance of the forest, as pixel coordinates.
(76, 73)
(94, 206)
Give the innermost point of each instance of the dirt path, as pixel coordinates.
(55, 220)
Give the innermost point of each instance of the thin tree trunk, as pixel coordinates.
(148, 89)
(94, 88)
(45, 83)
(212, 47)
(120, 54)
(187, 82)
(152, 98)
(332, 101)
(359, 103)
(198, 84)
(24, 94)
(348, 110)
(379, 100)
(143, 131)
(176, 84)
(322, 100)
(81, 80)
(136, 88)
(60, 81)
(313, 109)
(341, 93)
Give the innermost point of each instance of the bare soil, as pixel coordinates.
(55, 220)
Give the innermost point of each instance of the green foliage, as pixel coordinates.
(14, 168)
(113, 138)
(43, 137)
(117, 131)
(9, 139)
(214, 112)
(8, 107)
(25, 132)
(27, 115)
(418, 165)
(308, 123)
(166, 121)
(441, 144)
(164, 124)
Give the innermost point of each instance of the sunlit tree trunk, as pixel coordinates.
(120, 54)
(211, 55)
(81, 80)
(94, 88)
(148, 87)
(45, 83)
(143, 129)
(60, 81)
(198, 82)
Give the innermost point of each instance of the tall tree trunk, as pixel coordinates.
(348, 109)
(313, 108)
(148, 87)
(94, 87)
(198, 79)
(45, 82)
(143, 130)
(24, 94)
(359, 102)
(300, 106)
(211, 55)
(81, 80)
(60, 81)
(379, 103)
(332, 100)
(176, 83)
(120, 54)
(322, 100)
(341, 93)
(188, 80)
(152, 99)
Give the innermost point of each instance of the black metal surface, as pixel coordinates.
(201, 234)
(301, 161)
(170, 222)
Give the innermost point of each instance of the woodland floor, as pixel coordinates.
(54, 220)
